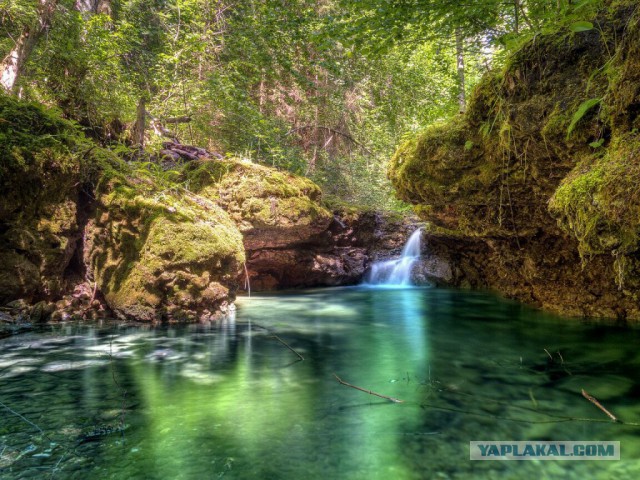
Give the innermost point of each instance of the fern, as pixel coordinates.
(581, 112)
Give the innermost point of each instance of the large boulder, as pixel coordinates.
(273, 209)
(159, 254)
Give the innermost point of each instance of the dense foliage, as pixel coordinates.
(324, 88)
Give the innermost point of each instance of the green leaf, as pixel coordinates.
(468, 145)
(581, 112)
(597, 143)
(581, 26)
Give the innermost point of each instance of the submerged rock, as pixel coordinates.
(534, 191)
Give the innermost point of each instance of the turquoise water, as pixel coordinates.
(231, 401)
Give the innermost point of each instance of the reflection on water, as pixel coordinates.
(231, 401)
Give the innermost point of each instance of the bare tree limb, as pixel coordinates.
(174, 120)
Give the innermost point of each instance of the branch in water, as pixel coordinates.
(287, 345)
(599, 405)
(391, 399)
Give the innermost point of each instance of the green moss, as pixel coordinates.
(158, 251)
(33, 138)
(425, 166)
(197, 242)
(256, 195)
(483, 172)
(556, 125)
(45, 161)
(599, 201)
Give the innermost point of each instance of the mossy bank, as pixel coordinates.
(534, 191)
(84, 231)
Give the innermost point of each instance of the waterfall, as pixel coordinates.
(397, 273)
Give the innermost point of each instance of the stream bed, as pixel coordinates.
(234, 400)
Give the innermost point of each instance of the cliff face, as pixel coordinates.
(534, 192)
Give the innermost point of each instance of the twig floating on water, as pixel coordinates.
(391, 399)
(287, 345)
(599, 405)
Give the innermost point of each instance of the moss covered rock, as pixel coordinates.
(153, 250)
(599, 201)
(534, 191)
(272, 209)
(42, 158)
(162, 255)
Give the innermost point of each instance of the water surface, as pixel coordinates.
(230, 401)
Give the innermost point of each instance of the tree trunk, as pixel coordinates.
(462, 98)
(12, 65)
(140, 125)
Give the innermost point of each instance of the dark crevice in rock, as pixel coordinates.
(76, 270)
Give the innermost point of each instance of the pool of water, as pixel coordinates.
(231, 400)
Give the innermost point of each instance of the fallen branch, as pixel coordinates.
(555, 418)
(188, 152)
(599, 405)
(185, 154)
(391, 399)
(287, 345)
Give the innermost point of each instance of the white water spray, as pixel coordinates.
(397, 273)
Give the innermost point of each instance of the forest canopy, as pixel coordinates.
(322, 88)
